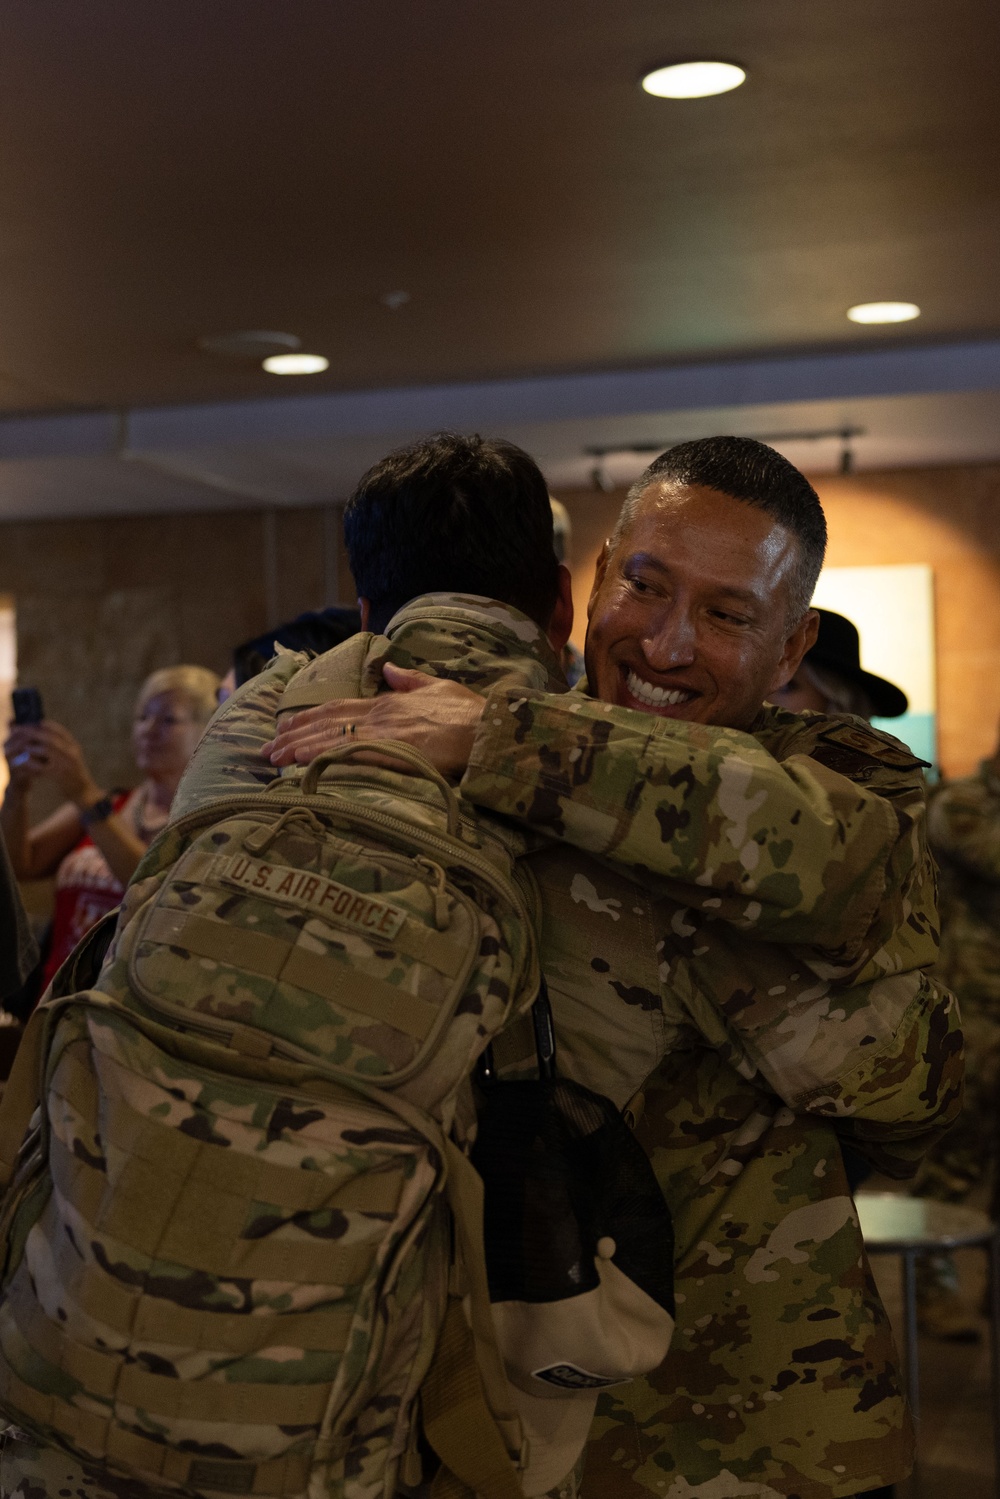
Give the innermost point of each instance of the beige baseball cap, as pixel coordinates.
(559, 1355)
(579, 1253)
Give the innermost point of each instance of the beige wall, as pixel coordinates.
(101, 603)
(948, 518)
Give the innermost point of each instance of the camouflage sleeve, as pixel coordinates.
(874, 1048)
(228, 757)
(964, 826)
(880, 1040)
(893, 1081)
(788, 851)
(802, 894)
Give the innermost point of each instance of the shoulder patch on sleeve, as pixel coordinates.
(856, 751)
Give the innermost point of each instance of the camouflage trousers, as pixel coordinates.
(969, 1152)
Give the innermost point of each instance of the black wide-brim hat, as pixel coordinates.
(838, 648)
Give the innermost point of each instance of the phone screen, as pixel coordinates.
(27, 705)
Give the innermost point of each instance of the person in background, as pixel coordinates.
(830, 678)
(94, 841)
(963, 826)
(316, 631)
(571, 657)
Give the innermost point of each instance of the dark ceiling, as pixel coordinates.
(182, 168)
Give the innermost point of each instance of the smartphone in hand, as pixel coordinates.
(27, 705)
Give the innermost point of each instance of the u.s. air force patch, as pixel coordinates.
(312, 891)
(858, 752)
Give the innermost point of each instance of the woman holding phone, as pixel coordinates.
(94, 841)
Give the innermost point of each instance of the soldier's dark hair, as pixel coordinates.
(747, 470)
(453, 514)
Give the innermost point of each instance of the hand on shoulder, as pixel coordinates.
(434, 715)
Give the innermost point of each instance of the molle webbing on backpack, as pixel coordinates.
(182, 1221)
(268, 957)
(97, 1437)
(127, 1314)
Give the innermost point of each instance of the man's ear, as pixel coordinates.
(801, 639)
(561, 624)
(599, 571)
(365, 609)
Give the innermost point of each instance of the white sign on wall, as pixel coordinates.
(893, 609)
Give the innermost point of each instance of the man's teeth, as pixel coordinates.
(656, 697)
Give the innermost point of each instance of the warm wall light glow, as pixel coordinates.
(296, 364)
(693, 80)
(883, 312)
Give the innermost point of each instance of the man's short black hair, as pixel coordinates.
(453, 514)
(748, 470)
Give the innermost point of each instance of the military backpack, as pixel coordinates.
(241, 1234)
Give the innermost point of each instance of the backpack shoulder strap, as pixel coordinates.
(22, 1093)
(83, 966)
(458, 1422)
(465, 1397)
(24, 1090)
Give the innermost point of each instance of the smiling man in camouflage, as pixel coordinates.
(753, 887)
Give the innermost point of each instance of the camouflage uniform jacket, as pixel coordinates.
(756, 910)
(964, 830)
(792, 904)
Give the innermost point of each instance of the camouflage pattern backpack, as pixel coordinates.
(240, 1234)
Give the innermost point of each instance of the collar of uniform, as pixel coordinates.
(476, 640)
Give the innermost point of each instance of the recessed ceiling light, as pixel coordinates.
(693, 80)
(253, 343)
(296, 364)
(883, 312)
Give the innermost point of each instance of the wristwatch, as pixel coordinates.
(98, 811)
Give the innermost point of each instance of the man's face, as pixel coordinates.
(689, 617)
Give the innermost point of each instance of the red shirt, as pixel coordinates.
(86, 890)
